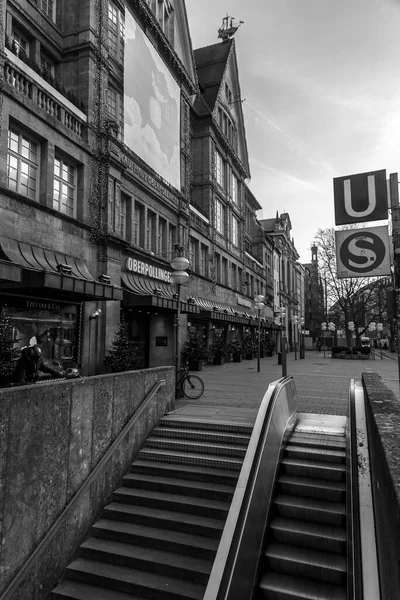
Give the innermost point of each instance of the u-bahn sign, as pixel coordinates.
(363, 252)
(359, 198)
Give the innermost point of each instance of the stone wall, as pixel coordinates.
(383, 419)
(52, 436)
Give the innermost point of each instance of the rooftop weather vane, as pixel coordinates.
(228, 29)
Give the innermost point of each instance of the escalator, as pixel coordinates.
(305, 555)
(301, 524)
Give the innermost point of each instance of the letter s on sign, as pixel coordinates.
(362, 252)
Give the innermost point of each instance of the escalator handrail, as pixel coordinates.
(221, 579)
(362, 558)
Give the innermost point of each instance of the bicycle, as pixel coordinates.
(190, 385)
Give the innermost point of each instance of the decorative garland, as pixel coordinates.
(98, 195)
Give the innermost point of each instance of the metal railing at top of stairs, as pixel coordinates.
(362, 551)
(17, 580)
(235, 568)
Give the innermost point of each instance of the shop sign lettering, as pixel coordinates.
(141, 268)
(42, 305)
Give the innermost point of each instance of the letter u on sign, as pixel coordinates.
(359, 198)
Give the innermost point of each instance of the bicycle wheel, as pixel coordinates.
(192, 387)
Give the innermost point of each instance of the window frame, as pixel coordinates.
(26, 160)
(64, 182)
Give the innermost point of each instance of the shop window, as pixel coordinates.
(116, 32)
(48, 8)
(219, 217)
(22, 163)
(64, 187)
(53, 325)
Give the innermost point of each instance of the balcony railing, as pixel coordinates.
(24, 80)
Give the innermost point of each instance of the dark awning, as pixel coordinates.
(43, 271)
(141, 291)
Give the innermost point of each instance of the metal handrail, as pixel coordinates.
(18, 578)
(362, 555)
(227, 560)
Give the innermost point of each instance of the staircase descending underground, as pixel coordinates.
(158, 537)
(305, 551)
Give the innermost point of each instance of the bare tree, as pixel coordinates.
(360, 300)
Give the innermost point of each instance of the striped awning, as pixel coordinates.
(143, 291)
(44, 269)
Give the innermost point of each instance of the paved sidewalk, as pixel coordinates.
(234, 391)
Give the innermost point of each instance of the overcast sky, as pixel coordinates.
(321, 83)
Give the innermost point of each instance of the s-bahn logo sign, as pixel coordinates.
(363, 252)
(359, 198)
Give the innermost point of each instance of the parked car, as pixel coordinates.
(366, 342)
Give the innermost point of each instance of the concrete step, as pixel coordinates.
(194, 447)
(76, 590)
(201, 435)
(317, 440)
(335, 491)
(214, 491)
(313, 469)
(166, 539)
(278, 586)
(172, 502)
(198, 459)
(172, 520)
(319, 536)
(310, 509)
(325, 455)
(152, 560)
(193, 472)
(171, 420)
(308, 563)
(133, 581)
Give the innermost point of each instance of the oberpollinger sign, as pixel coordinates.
(363, 252)
(359, 198)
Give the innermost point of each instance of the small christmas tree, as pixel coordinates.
(123, 355)
(8, 355)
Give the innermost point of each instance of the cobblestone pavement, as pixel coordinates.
(235, 390)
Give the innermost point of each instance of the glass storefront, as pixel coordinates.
(53, 325)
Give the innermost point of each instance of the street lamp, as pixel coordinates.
(259, 303)
(302, 349)
(281, 314)
(179, 276)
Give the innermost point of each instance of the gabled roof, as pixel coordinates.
(211, 64)
(216, 65)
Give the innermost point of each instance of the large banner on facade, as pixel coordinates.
(360, 198)
(151, 105)
(363, 252)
